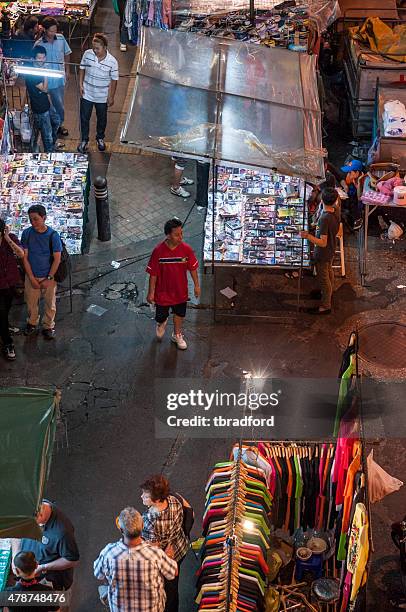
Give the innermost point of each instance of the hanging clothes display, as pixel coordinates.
(150, 13)
(236, 529)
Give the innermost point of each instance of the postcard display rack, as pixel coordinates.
(257, 219)
(58, 181)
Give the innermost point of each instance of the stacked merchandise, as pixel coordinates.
(46, 7)
(286, 27)
(258, 217)
(236, 531)
(52, 7)
(394, 118)
(5, 562)
(55, 180)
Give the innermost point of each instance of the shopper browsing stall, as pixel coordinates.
(46, 120)
(57, 49)
(133, 569)
(42, 245)
(325, 245)
(163, 526)
(98, 83)
(10, 248)
(25, 37)
(168, 288)
(25, 567)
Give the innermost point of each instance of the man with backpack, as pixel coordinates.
(43, 248)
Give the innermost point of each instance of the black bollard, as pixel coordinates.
(202, 185)
(101, 196)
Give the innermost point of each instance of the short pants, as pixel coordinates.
(162, 312)
(180, 163)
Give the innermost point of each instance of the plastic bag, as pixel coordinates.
(380, 483)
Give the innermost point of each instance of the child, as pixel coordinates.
(25, 568)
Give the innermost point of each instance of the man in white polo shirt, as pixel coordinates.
(98, 84)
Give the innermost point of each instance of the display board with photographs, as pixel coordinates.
(55, 180)
(258, 217)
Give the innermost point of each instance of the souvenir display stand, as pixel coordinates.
(287, 523)
(58, 181)
(215, 100)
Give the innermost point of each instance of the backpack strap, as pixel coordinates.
(51, 250)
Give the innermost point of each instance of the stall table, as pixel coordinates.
(369, 208)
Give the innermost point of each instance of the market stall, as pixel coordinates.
(373, 52)
(389, 131)
(249, 113)
(287, 523)
(27, 431)
(58, 181)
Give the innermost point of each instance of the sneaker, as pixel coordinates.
(9, 352)
(182, 193)
(49, 334)
(62, 131)
(186, 181)
(30, 329)
(101, 145)
(358, 223)
(59, 145)
(123, 47)
(160, 329)
(179, 340)
(82, 148)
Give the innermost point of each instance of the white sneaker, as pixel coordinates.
(179, 340)
(182, 193)
(123, 47)
(160, 329)
(186, 181)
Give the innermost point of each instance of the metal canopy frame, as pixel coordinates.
(173, 145)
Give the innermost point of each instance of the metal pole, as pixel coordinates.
(252, 12)
(102, 208)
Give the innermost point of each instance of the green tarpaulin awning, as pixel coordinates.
(27, 432)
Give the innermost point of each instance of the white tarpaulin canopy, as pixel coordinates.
(226, 100)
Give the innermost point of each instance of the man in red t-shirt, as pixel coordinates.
(168, 288)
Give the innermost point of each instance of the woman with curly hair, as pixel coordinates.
(163, 527)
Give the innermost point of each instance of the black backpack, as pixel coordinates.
(64, 267)
(188, 515)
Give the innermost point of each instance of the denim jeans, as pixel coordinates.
(57, 100)
(86, 109)
(123, 30)
(47, 125)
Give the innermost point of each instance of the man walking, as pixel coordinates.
(134, 570)
(46, 122)
(43, 247)
(325, 245)
(56, 49)
(168, 286)
(98, 83)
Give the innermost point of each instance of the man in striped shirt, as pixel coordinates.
(98, 83)
(134, 569)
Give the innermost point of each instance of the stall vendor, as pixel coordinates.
(57, 553)
(353, 171)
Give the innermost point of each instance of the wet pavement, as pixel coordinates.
(106, 366)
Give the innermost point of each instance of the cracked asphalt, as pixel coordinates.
(106, 366)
